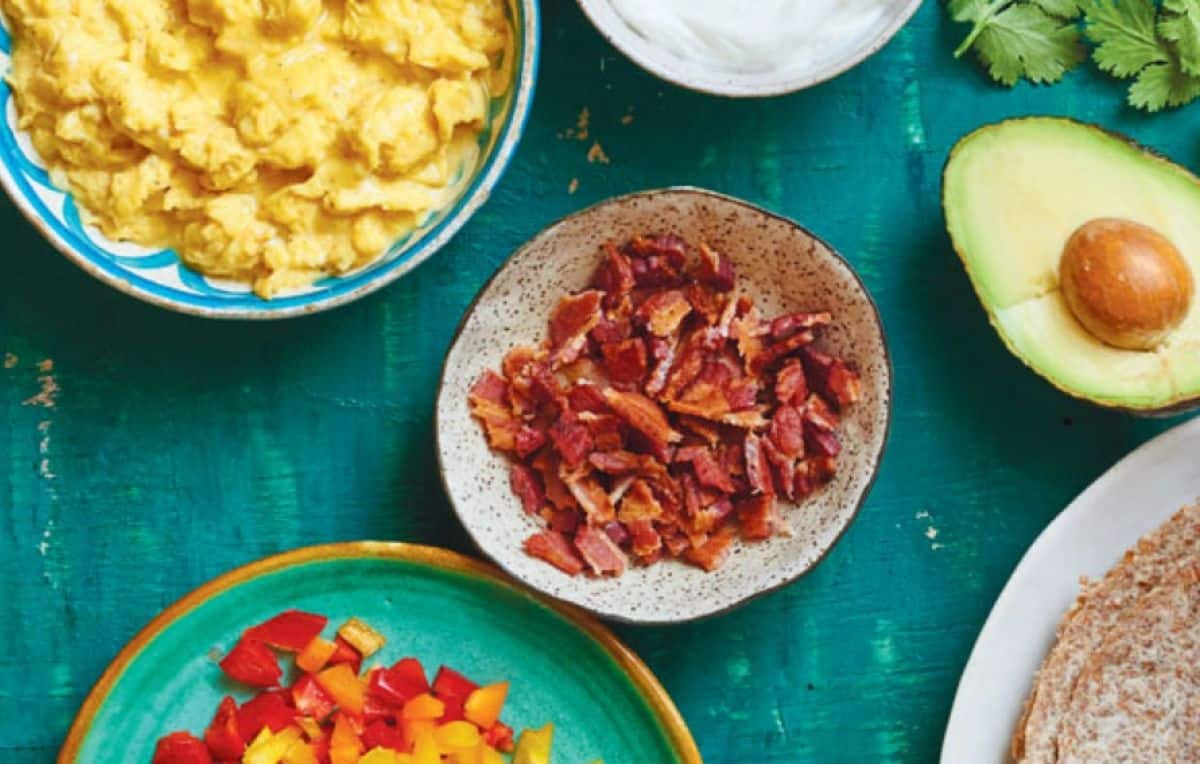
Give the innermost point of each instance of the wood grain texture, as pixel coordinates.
(168, 449)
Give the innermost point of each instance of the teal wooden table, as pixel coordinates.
(145, 452)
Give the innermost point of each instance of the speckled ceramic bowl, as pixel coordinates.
(784, 267)
(160, 278)
(694, 75)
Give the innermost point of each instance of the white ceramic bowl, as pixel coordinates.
(158, 276)
(709, 79)
(783, 267)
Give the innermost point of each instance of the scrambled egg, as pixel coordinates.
(270, 141)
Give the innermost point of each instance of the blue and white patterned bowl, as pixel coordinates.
(159, 277)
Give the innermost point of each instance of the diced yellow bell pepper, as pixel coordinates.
(410, 729)
(480, 754)
(315, 655)
(489, 755)
(425, 749)
(423, 706)
(483, 706)
(270, 748)
(378, 756)
(533, 746)
(343, 686)
(344, 745)
(457, 736)
(311, 728)
(362, 637)
(300, 753)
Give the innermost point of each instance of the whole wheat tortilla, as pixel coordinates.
(1155, 558)
(1138, 695)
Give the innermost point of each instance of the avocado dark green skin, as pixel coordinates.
(1174, 408)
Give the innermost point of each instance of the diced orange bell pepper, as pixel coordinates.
(344, 687)
(425, 749)
(457, 736)
(424, 706)
(311, 727)
(411, 728)
(344, 746)
(315, 654)
(483, 706)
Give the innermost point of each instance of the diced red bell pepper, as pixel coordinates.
(252, 662)
(381, 734)
(345, 653)
(310, 699)
(374, 709)
(181, 748)
(500, 737)
(400, 683)
(267, 709)
(320, 749)
(291, 630)
(453, 689)
(222, 736)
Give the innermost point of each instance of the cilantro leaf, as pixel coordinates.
(1181, 25)
(1016, 39)
(1163, 85)
(1125, 36)
(1063, 9)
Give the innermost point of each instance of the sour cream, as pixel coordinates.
(752, 36)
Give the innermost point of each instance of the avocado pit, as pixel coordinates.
(1126, 283)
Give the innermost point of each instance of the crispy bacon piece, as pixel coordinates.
(669, 246)
(742, 393)
(662, 312)
(823, 468)
(715, 269)
(528, 440)
(599, 551)
(587, 397)
(519, 358)
(790, 383)
(709, 472)
(704, 301)
(615, 462)
(639, 503)
(758, 468)
(704, 400)
(787, 431)
(655, 272)
(820, 442)
(571, 439)
(489, 387)
(708, 518)
(501, 426)
(687, 367)
(561, 520)
(645, 539)
(818, 413)
(604, 428)
(644, 415)
(572, 319)
(783, 469)
(781, 349)
(715, 550)
(787, 325)
(625, 361)
(547, 466)
(554, 548)
(702, 428)
(614, 277)
(611, 329)
(832, 377)
(528, 487)
(664, 355)
(748, 419)
(592, 497)
(759, 517)
(617, 532)
(747, 332)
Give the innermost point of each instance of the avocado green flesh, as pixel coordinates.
(1014, 193)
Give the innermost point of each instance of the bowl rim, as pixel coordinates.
(666, 713)
(463, 209)
(730, 85)
(876, 461)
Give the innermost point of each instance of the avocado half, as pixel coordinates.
(1013, 193)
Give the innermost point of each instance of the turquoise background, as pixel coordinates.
(491, 633)
(178, 448)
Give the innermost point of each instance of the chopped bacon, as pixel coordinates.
(644, 415)
(790, 383)
(818, 413)
(593, 498)
(832, 377)
(759, 517)
(490, 387)
(758, 468)
(528, 487)
(625, 361)
(639, 503)
(554, 548)
(715, 550)
(663, 312)
(820, 442)
(595, 418)
(787, 431)
(599, 551)
(715, 269)
(571, 439)
(787, 325)
(528, 440)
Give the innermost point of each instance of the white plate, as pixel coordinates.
(1133, 498)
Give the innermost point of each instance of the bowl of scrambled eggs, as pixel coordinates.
(258, 158)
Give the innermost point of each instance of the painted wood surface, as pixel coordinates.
(144, 452)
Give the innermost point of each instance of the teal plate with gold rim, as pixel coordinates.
(430, 603)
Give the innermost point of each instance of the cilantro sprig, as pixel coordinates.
(1156, 45)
